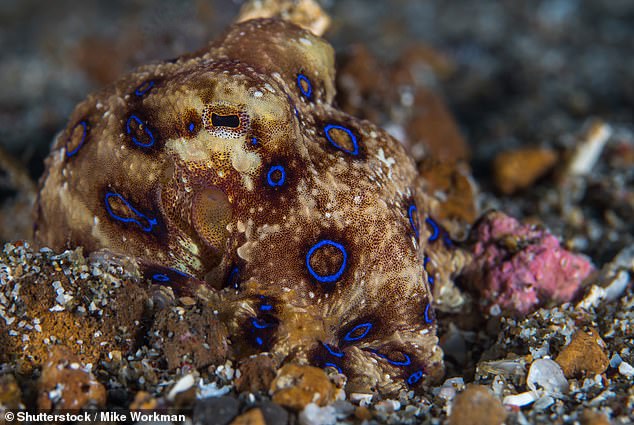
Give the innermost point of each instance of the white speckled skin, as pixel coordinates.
(232, 166)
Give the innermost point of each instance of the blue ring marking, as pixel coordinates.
(427, 318)
(269, 176)
(160, 277)
(151, 221)
(191, 127)
(266, 307)
(309, 92)
(331, 277)
(447, 240)
(355, 143)
(333, 365)
(332, 351)
(84, 124)
(180, 273)
(146, 130)
(234, 276)
(415, 377)
(144, 88)
(405, 362)
(366, 328)
(435, 229)
(410, 212)
(254, 141)
(258, 340)
(430, 277)
(260, 324)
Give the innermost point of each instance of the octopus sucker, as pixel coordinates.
(232, 169)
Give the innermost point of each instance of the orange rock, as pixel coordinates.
(143, 401)
(66, 385)
(432, 126)
(519, 169)
(586, 354)
(362, 413)
(296, 386)
(477, 406)
(453, 181)
(251, 417)
(590, 417)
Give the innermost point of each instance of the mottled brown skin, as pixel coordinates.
(171, 165)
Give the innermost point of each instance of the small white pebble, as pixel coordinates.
(315, 415)
(361, 398)
(626, 369)
(546, 375)
(522, 399)
(183, 384)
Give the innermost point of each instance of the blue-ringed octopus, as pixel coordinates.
(233, 169)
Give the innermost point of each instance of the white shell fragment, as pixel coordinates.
(546, 375)
(183, 384)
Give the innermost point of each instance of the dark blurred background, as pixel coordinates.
(527, 71)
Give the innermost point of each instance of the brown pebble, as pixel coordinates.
(477, 406)
(585, 354)
(519, 169)
(453, 181)
(256, 373)
(251, 417)
(10, 394)
(296, 386)
(143, 401)
(362, 413)
(433, 126)
(65, 385)
(591, 417)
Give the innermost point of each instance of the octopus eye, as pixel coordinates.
(232, 121)
(225, 120)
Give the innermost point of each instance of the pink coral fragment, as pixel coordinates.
(520, 267)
